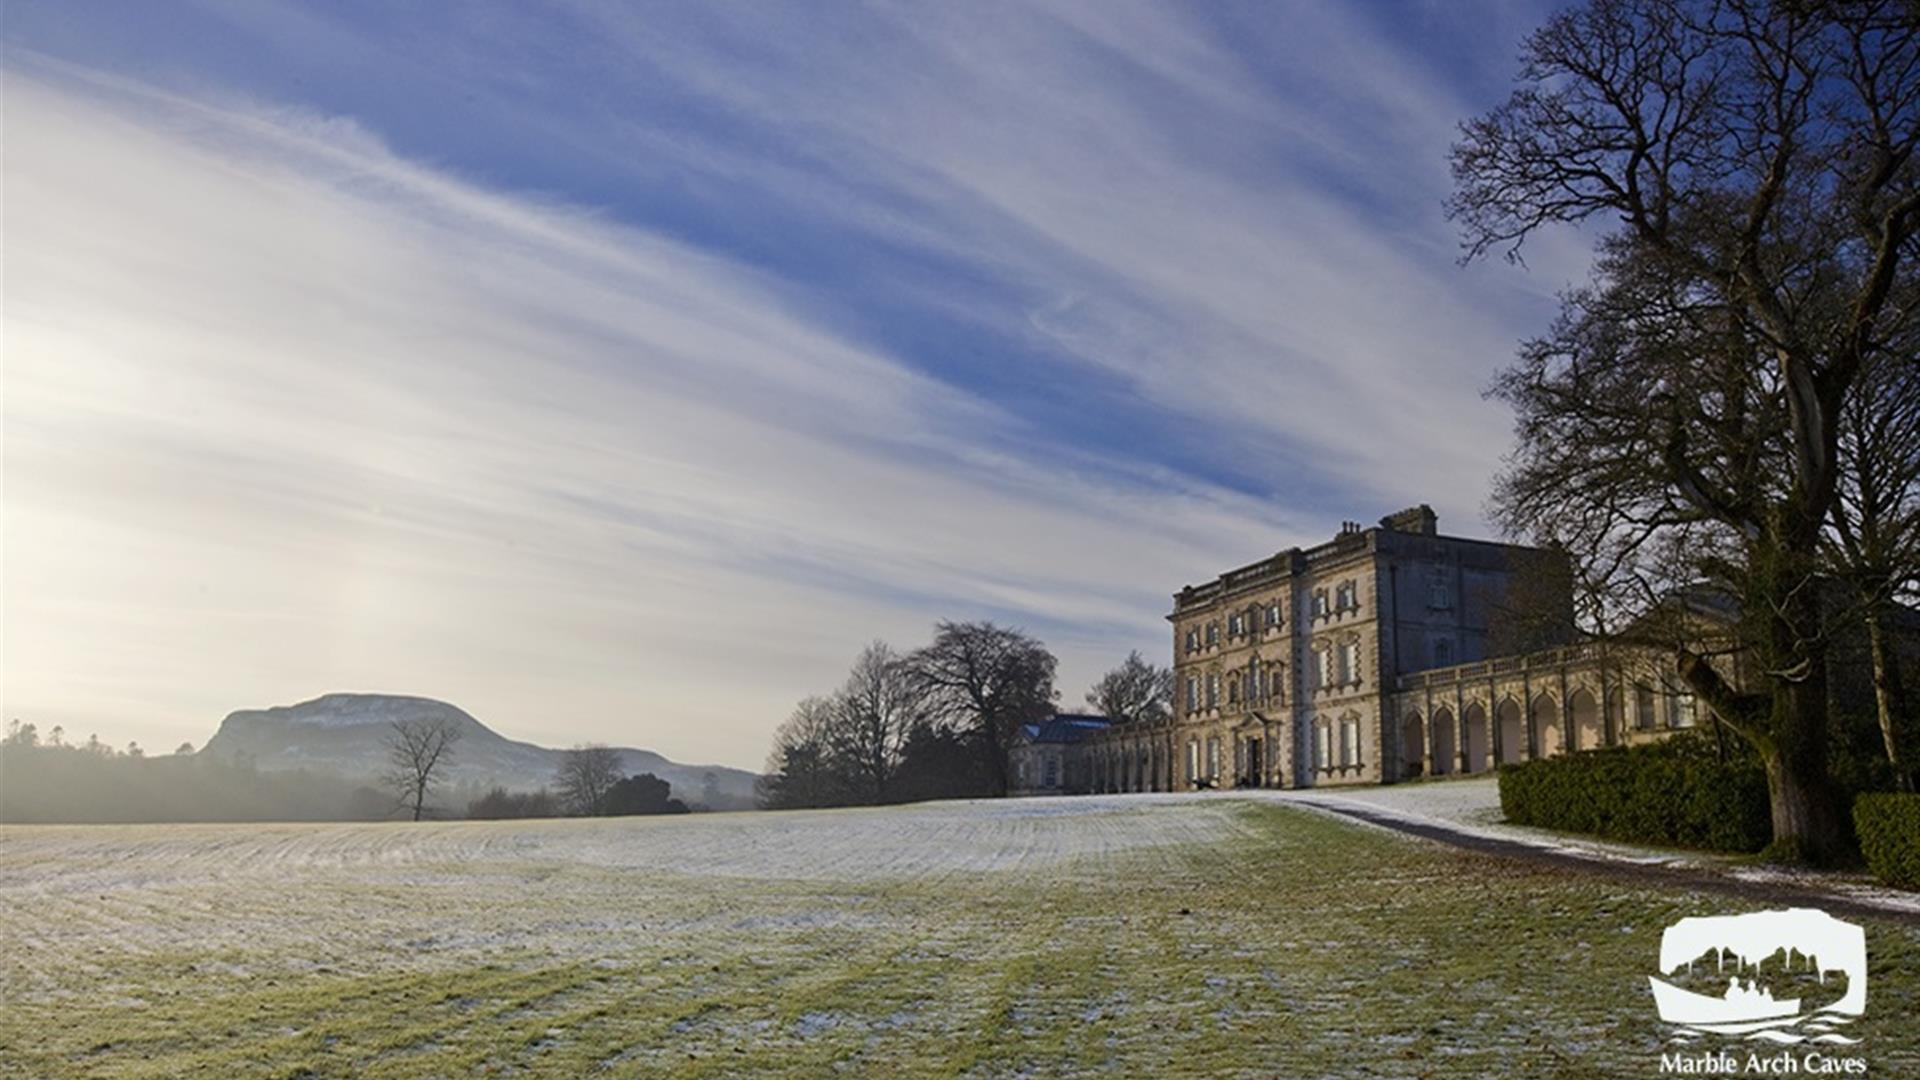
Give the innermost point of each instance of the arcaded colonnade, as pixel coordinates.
(1472, 717)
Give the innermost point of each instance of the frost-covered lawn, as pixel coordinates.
(1144, 935)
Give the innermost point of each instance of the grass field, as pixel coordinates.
(1148, 936)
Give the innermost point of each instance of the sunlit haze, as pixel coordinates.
(616, 374)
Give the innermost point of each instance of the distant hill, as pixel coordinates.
(346, 734)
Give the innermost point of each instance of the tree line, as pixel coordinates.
(937, 722)
(45, 778)
(589, 782)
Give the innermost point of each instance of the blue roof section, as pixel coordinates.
(1065, 728)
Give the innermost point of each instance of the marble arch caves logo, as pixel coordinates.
(1793, 976)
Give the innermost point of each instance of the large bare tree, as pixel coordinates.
(1136, 692)
(986, 680)
(587, 774)
(1752, 166)
(419, 750)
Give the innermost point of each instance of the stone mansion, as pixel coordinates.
(1362, 660)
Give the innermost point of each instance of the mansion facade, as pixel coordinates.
(1363, 660)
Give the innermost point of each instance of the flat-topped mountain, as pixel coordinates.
(346, 734)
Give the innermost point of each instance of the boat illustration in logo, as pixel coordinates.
(1796, 942)
(1738, 1005)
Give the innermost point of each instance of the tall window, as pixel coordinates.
(1254, 686)
(1349, 741)
(1643, 708)
(1273, 614)
(1439, 597)
(1053, 772)
(1213, 633)
(1193, 692)
(1344, 598)
(1323, 745)
(1233, 687)
(1213, 757)
(1193, 641)
(1233, 625)
(1680, 710)
(1319, 602)
(1350, 662)
(1213, 690)
(1442, 653)
(1193, 760)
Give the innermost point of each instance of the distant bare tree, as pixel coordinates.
(587, 774)
(872, 715)
(800, 770)
(986, 680)
(419, 751)
(1874, 541)
(1135, 692)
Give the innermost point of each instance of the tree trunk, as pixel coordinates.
(996, 751)
(1808, 823)
(1889, 696)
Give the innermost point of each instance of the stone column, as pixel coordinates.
(1460, 723)
(1531, 748)
(1571, 740)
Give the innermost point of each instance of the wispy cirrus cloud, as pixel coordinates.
(823, 323)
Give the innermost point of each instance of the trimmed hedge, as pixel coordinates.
(1889, 828)
(1655, 794)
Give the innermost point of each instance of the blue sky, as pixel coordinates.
(617, 371)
